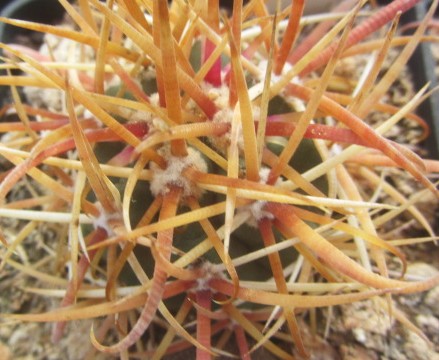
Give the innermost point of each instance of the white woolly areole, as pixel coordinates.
(104, 220)
(162, 179)
(209, 271)
(63, 50)
(226, 116)
(154, 123)
(255, 211)
(219, 95)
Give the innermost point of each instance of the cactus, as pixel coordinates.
(204, 170)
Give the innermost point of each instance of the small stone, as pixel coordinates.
(369, 316)
(432, 300)
(428, 323)
(360, 335)
(421, 270)
(356, 352)
(416, 348)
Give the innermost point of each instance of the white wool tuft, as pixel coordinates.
(226, 116)
(209, 271)
(172, 175)
(255, 210)
(104, 220)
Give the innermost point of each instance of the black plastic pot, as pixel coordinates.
(422, 66)
(41, 11)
